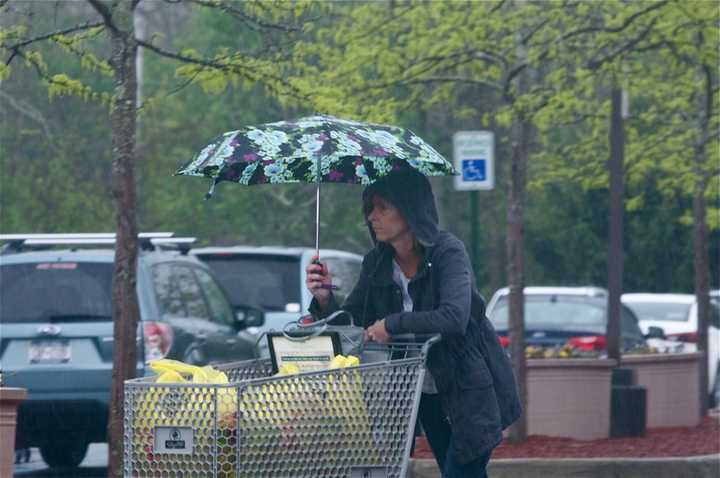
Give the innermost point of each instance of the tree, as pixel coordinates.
(213, 71)
(687, 108)
(118, 19)
(664, 63)
(521, 54)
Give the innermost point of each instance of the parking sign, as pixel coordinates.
(474, 157)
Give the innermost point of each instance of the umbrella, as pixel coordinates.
(314, 149)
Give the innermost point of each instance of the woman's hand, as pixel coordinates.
(378, 333)
(318, 281)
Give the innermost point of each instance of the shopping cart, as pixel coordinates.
(347, 423)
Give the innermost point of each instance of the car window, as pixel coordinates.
(178, 292)
(565, 314)
(345, 273)
(554, 313)
(661, 311)
(167, 294)
(55, 291)
(268, 281)
(714, 319)
(629, 326)
(220, 309)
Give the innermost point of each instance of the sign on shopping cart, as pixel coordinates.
(175, 440)
(308, 354)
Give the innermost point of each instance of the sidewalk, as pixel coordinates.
(690, 467)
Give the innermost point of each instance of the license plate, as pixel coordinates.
(49, 351)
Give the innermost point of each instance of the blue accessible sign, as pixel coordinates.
(473, 169)
(474, 157)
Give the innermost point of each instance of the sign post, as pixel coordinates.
(474, 157)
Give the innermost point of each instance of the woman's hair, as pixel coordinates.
(367, 207)
(367, 202)
(380, 189)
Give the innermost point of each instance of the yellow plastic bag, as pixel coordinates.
(187, 406)
(168, 371)
(344, 399)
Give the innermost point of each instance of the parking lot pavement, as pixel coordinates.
(94, 465)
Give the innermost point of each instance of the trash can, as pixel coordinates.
(10, 398)
(628, 411)
(623, 376)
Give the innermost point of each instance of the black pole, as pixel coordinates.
(474, 237)
(615, 242)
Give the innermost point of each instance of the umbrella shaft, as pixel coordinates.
(317, 211)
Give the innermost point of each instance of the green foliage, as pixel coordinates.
(436, 67)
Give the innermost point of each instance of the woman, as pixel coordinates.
(417, 279)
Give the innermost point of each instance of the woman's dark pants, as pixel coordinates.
(439, 436)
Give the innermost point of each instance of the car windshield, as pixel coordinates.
(268, 281)
(55, 292)
(661, 311)
(558, 313)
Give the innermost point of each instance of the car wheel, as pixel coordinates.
(64, 452)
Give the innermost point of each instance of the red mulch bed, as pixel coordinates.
(659, 442)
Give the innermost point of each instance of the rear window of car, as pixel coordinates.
(551, 313)
(564, 314)
(264, 280)
(55, 292)
(661, 311)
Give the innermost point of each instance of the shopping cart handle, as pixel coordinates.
(308, 321)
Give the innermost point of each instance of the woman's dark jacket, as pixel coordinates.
(473, 375)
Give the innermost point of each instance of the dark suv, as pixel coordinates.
(56, 332)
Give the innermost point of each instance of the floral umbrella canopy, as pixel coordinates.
(314, 149)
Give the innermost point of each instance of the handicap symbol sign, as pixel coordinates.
(473, 169)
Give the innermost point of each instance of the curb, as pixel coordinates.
(707, 466)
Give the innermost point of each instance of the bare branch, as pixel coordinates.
(533, 31)
(105, 13)
(426, 81)
(10, 58)
(622, 49)
(85, 26)
(628, 21)
(29, 111)
(498, 6)
(174, 90)
(457, 79)
(228, 8)
(216, 65)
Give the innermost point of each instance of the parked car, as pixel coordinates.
(555, 316)
(56, 334)
(273, 279)
(677, 315)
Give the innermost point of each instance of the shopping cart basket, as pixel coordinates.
(345, 423)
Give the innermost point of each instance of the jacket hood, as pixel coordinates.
(411, 193)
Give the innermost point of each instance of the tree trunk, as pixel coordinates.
(124, 297)
(516, 267)
(615, 241)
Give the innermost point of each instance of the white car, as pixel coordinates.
(676, 314)
(555, 316)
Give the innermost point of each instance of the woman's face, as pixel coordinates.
(386, 221)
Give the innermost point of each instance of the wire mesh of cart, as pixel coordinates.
(346, 423)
